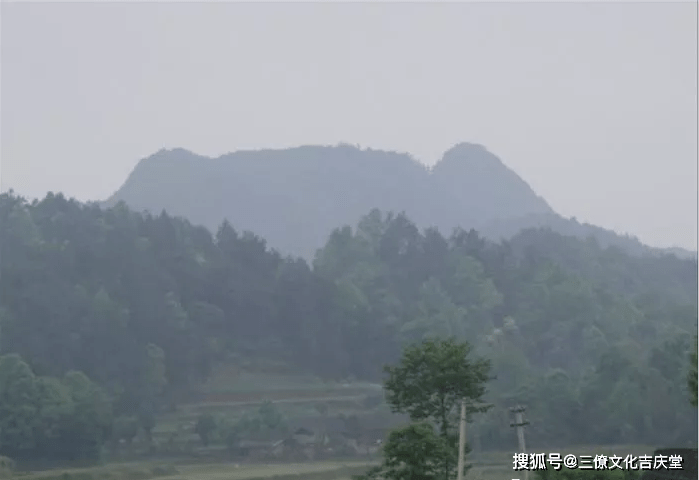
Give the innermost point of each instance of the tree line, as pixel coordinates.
(109, 316)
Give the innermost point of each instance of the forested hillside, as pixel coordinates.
(294, 198)
(594, 340)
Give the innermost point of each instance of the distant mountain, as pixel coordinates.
(294, 198)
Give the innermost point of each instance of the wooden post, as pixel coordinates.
(462, 441)
(462, 437)
(519, 424)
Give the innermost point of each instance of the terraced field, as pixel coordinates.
(486, 466)
(231, 394)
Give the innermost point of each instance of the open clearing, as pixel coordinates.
(486, 466)
(232, 393)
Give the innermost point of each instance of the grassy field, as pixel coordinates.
(499, 465)
(233, 392)
(486, 466)
(331, 470)
(317, 470)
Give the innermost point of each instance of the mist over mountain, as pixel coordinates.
(295, 197)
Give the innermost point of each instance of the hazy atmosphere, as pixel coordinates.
(349, 241)
(594, 105)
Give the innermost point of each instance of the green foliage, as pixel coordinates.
(692, 375)
(205, 427)
(353, 427)
(416, 452)
(112, 472)
(266, 420)
(146, 417)
(270, 416)
(431, 380)
(593, 340)
(50, 417)
(433, 377)
(220, 430)
(334, 185)
(231, 436)
(568, 474)
(18, 412)
(249, 425)
(125, 428)
(7, 466)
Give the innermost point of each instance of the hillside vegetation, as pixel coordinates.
(594, 340)
(294, 198)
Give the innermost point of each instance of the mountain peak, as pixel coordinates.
(475, 155)
(467, 148)
(295, 197)
(173, 153)
(478, 178)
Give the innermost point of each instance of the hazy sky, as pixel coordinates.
(595, 105)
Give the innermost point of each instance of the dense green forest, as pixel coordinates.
(108, 314)
(470, 187)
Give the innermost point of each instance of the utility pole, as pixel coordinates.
(519, 423)
(462, 441)
(462, 436)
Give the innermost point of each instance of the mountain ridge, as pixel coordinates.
(295, 197)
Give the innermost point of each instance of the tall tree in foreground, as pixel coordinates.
(428, 384)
